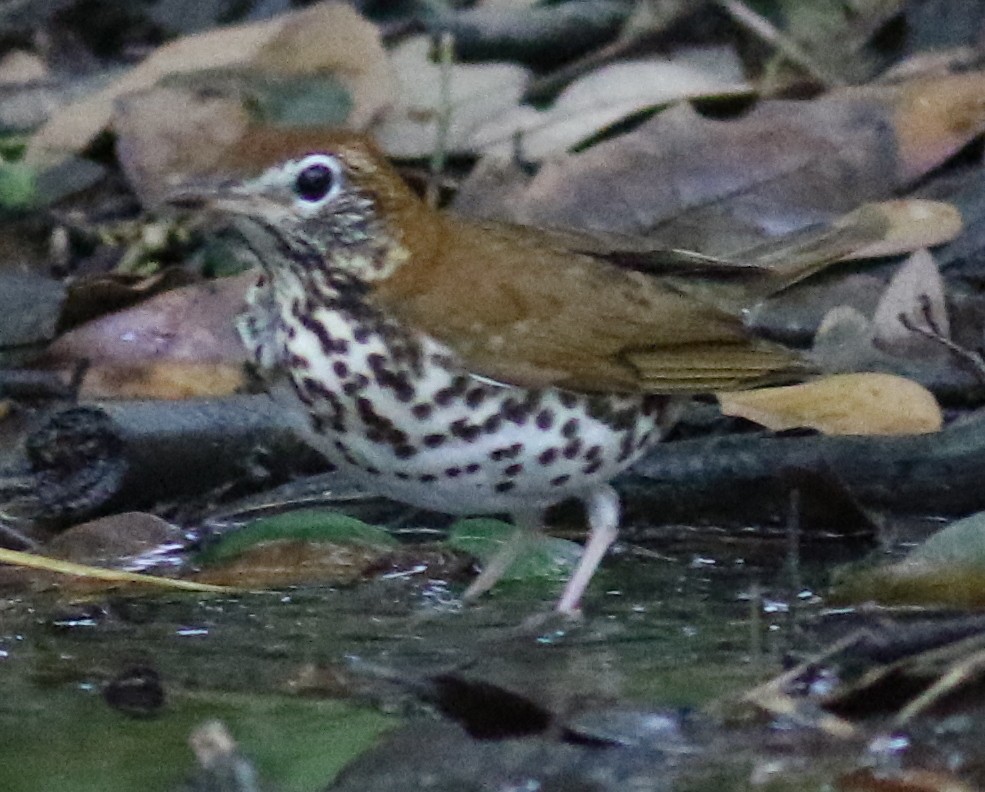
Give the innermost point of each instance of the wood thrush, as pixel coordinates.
(475, 367)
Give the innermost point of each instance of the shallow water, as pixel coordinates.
(308, 679)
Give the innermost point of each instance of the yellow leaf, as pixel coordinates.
(60, 567)
(858, 404)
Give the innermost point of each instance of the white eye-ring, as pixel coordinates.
(318, 178)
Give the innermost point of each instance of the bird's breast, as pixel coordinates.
(398, 410)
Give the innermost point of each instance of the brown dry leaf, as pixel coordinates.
(176, 345)
(288, 562)
(192, 324)
(158, 148)
(478, 94)
(720, 185)
(859, 404)
(326, 38)
(92, 296)
(911, 224)
(914, 297)
(902, 780)
(605, 96)
(162, 380)
(115, 541)
(167, 135)
(935, 118)
(724, 185)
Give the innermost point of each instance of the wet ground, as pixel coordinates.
(104, 694)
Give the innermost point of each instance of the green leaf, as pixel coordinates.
(962, 543)
(18, 185)
(947, 569)
(539, 557)
(312, 525)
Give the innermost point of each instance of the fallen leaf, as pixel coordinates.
(536, 556)
(602, 98)
(911, 224)
(162, 380)
(116, 540)
(858, 404)
(193, 324)
(304, 546)
(327, 38)
(168, 135)
(914, 298)
(934, 118)
(477, 94)
(946, 569)
(288, 562)
(724, 185)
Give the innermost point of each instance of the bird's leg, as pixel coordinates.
(602, 505)
(526, 524)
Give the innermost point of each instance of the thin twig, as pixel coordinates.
(446, 54)
(761, 27)
(933, 332)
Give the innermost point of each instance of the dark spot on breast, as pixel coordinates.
(571, 449)
(570, 428)
(594, 452)
(427, 477)
(592, 467)
(475, 397)
(472, 467)
(373, 471)
(422, 411)
(341, 369)
(547, 457)
(403, 389)
(328, 344)
(507, 452)
(515, 411)
(504, 486)
(434, 440)
(453, 472)
(557, 481)
(567, 399)
(298, 362)
(361, 334)
(492, 424)
(466, 431)
(444, 397)
(545, 418)
(514, 469)
(404, 451)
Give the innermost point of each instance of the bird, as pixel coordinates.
(475, 367)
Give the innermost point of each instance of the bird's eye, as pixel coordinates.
(317, 180)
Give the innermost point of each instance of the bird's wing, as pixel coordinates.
(536, 308)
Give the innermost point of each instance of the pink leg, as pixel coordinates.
(526, 525)
(603, 521)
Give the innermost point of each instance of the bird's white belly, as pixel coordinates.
(422, 432)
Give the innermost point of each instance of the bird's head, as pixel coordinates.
(345, 211)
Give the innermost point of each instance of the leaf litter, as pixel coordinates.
(725, 182)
